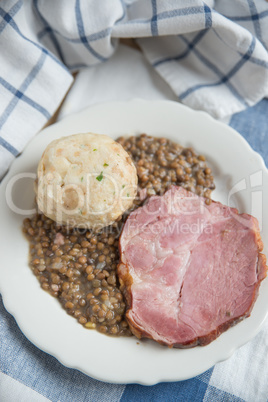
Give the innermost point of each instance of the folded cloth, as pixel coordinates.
(213, 54)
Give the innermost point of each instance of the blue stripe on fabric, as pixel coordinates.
(11, 13)
(18, 94)
(16, 28)
(90, 38)
(208, 17)
(224, 78)
(256, 22)
(200, 86)
(252, 17)
(182, 391)
(181, 56)
(52, 36)
(180, 11)
(97, 35)
(81, 30)
(257, 61)
(154, 27)
(8, 147)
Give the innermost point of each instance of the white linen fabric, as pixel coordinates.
(213, 54)
(125, 76)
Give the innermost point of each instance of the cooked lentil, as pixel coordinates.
(161, 163)
(79, 267)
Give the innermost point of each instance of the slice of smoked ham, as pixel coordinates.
(188, 270)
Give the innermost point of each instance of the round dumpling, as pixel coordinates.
(85, 180)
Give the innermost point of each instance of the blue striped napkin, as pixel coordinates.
(213, 54)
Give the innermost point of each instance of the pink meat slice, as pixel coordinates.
(188, 270)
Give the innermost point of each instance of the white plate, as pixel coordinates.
(41, 318)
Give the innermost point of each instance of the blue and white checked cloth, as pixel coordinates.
(213, 54)
(35, 38)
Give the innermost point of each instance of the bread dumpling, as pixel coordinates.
(86, 181)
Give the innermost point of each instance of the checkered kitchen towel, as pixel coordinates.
(213, 54)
